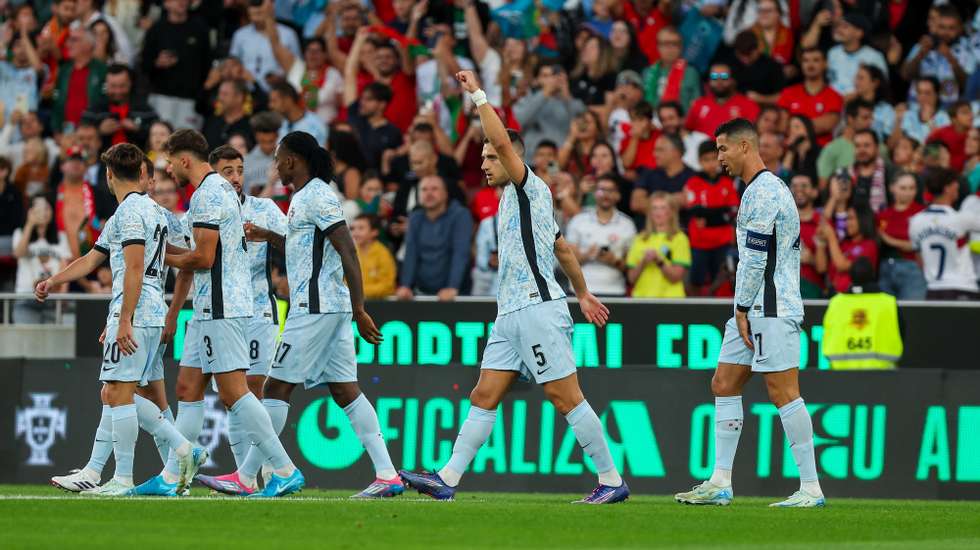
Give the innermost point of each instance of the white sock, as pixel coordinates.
(364, 419)
(588, 431)
(154, 422)
(799, 431)
(125, 430)
(102, 445)
(249, 469)
(472, 435)
(237, 440)
(728, 429)
(189, 422)
(258, 425)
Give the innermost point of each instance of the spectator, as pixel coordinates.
(805, 194)
(671, 78)
(971, 168)
(814, 98)
(80, 82)
(486, 261)
(839, 153)
(20, 77)
(670, 176)
(907, 155)
(446, 165)
(712, 203)
(11, 206)
(258, 161)
(349, 163)
(52, 43)
(771, 151)
(31, 177)
(849, 54)
(285, 100)
(835, 256)
(74, 209)
(377, 263)
(672, 122)
(367, 117)
(164, 191)
(88, 13)
(922, 117)
(106, 49)
(637, 147)
(954, 135)
(160, 131)
(423, 161)
(939, 234)
(759, 77)
(321, 85)
(229, 116)
(88, 139)
(437, 248)
(801, 146)
(935, 155)
(119, 116)
(944, 54)
(595, 74)
(870, 173)
(870, 85)
(775, 39)
(625, 48)
(176, 58)
(384, 67)
(745, 14)
(547, 113)
(602, 161)
(619, 104)
(251, 44)
(29, 128)
(660, 255)
(371, 200)
(41, 250)
(434, 76)
(516, 71)
(573, 156)
(900, 274)
(723, 104)
(601, 237)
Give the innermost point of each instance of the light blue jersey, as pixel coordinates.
(767, 281)
(263, 213)
(138, 220)
(526, 234)
(316, 276)
(225, 290)
(176, 234)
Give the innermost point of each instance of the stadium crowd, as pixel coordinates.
(868, 109)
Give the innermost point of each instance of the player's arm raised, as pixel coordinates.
(132, 287)
(342, 242)
(493, 128)
(74, 271)
(205, 246)
(595, 311)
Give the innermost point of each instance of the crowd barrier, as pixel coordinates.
(911, 433)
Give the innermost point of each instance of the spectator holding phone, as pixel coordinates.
(41, 251)
(835, 256)
(660, 256)
(601, 237)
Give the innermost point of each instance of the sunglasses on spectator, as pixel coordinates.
(720, 76)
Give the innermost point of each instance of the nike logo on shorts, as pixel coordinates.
(542, 371)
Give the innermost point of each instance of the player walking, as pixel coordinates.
(764, 334)
(223, 301)
(317, 344)
(532, 335)
(134, 239)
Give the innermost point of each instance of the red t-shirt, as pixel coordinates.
(808, 228)
(797, 101)
(644, 151)
(852, 251)
(122, 112)
(77, 99)
(485, 203)
(955, 142)
(706, 113)
(896, 225)
(647, 28)
(721, 193)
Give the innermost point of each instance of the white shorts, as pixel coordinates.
(776, 340)
(535, 341)
(155, 372)
(190, 356)
(117, 367)
(316, 349)
(261, 337)
(223, 345)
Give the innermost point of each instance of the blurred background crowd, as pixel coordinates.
(858, 103)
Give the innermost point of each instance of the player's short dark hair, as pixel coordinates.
(707, 147)
(189, 141)
(870, 132)
(515, 139)
(381, 92)
(286, 89)
(737, 126)
(373, 220)
(225, 152)
(547, 143)
(671, 105)
(936, 180)
(119, 68)
(266, 122)
(854, 106)
(124, 160)
(862, 272)
(642, 110)
(150, 168)
(305, 146)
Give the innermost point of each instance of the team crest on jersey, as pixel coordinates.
(215, 426)
(41, 424)
(859, 319)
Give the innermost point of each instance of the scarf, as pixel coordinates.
(877, 197)
(672, 88)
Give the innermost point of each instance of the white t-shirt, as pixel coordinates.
(843, 66)
(427, 83)
(43, 259)
(585, 231)
(328, 97)
(941, 235)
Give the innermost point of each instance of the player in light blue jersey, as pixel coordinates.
(764, 334)
(222, 303)
(134, 239)
(532, 335)
(317, 345)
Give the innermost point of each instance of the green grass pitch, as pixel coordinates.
(43, 517)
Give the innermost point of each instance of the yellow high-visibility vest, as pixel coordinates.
(861, 331)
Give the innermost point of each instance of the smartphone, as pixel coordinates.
(604, 249)
(552, 168)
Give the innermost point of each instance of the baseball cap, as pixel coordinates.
(629, 77)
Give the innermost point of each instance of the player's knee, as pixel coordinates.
(780, 395)
(104, 394)
(484, 398)
(344, 394)
(275, 389)
(563, 400)
(188, 390)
